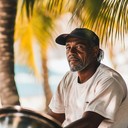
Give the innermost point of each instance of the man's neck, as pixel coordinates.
(88, 72)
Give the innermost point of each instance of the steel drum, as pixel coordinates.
(18, 117)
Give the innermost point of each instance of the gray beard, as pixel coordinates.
(78, 67)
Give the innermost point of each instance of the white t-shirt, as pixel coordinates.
(103, 93)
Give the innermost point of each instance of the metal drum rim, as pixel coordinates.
(18, 109)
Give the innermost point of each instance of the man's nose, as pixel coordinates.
(72, 50)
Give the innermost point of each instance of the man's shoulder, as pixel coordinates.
(69, 78)
(106, 70)
(105, 67)
(107, 74)
(70, 75)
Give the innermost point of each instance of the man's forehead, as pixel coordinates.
(76, 40)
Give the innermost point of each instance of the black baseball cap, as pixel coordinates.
(82, 33)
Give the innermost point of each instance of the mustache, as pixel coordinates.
(73, 57)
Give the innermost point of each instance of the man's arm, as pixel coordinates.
(89, 120)
(58, 116)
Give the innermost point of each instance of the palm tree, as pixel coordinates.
(8, 91)
(38, 28)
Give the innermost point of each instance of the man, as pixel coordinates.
(90, 95)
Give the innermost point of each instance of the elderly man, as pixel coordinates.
(90, 95)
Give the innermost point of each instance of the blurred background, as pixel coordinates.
(40, 63)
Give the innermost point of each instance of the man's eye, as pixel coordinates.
(67, 47)
(80, 46)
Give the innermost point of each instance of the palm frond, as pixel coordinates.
(107, 17)
(55, 6)
(38, 27)
(29, 5)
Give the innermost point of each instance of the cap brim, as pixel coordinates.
(63, 38)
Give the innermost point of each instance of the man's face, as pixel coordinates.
(79, 54)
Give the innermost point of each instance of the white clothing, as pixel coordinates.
(103, 93)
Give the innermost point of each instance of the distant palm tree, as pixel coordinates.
(37, 28)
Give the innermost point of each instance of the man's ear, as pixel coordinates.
(96, 51)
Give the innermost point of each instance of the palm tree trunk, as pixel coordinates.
(46, 86)
(8, 91)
